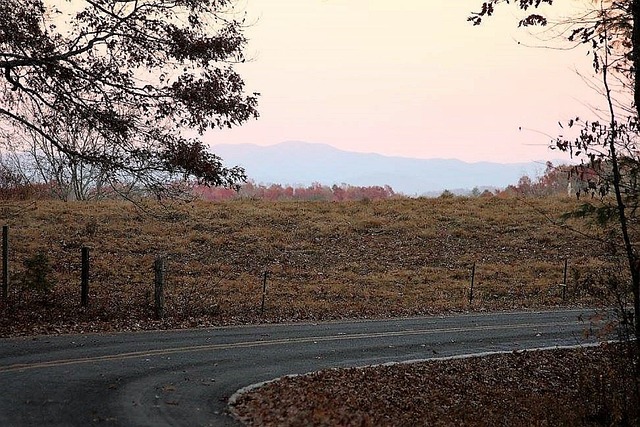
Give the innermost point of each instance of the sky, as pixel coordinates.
(408, 78)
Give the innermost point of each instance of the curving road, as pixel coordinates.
(184, 378)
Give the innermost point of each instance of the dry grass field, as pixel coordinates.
(326, 260)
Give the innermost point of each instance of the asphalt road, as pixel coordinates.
(184, 378)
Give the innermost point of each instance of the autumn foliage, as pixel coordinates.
(315, 191)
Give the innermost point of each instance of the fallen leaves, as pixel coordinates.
(543, 388)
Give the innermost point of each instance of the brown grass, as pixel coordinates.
(326, 260)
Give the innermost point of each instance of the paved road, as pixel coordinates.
(184, 378)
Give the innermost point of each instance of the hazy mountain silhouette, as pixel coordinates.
(302, 163)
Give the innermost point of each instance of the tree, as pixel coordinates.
(130, 75)
(67, 176)
(611, 31)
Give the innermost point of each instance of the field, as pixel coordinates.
(325, 260)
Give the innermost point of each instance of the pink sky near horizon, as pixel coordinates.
(407, 78)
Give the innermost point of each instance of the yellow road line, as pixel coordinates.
(263, 343)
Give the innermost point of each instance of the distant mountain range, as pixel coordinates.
(301, 164)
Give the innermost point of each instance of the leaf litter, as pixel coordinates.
(563, 387)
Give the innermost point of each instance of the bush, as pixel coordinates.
(37, 272)
(446, 194)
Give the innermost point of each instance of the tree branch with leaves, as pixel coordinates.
(137, 74)
(610, 30)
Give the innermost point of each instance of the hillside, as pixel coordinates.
(326, 260)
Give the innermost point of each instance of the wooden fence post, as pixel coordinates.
(264, 290)
(84, 292)
(564, 281)
(160, 269)
(5, 261)
(473, 277)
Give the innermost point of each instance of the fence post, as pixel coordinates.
(160, 269)
(5, 261)
(264, 290)
(564, 281)
(84, 293)
(473, 277)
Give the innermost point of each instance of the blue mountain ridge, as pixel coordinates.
(301, 164)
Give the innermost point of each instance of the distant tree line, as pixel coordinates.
(315, 191)
(562, 180)
(22, 180)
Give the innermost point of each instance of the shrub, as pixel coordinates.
(446, 194)
(37, 273)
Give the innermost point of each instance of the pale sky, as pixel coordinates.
(407, 78)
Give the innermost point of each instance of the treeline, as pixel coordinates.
(315, 191)
(16, 186)
(556, 181)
